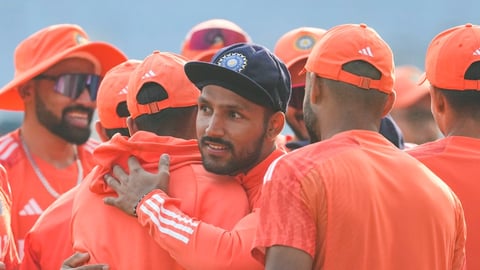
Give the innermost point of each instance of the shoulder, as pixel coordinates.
(89, 146)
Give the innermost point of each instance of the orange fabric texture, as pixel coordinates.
(49, 241)
(363, 43)
(206, 54)
(8, 250)
(49, 46)
(218, 199)
(165, 69)
(355, 201)
(455, 160)
(206, 246)
(449, 55)
(112, 92)
(31, 197)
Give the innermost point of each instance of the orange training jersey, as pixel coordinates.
(110, 236)
(30, 197)
(49, 242)
(8, 250)
(355, 201)
(456, 161)
(202, 245)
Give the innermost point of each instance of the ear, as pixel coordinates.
(438, 101)
(314, 86)
(389, 104)
(102, 133)
(132, 126)
(26, 91)
(275, 124)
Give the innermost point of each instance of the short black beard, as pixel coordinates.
(61, 127)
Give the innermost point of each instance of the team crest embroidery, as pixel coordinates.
(305, 43)
(80, 39)
(234, 61)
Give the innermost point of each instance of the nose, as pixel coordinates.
(85, 99)
(215, 127)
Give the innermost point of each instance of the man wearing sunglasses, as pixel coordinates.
(57, 74)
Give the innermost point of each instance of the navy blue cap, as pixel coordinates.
(390, 130)
(249, 70)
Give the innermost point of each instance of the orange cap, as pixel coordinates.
(450, 54)
(215, 41)
(293, 49)
(49, 46)
(407, 88)
(165, 69)
(112, 92)
(349, 42)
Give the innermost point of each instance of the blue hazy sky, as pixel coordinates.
(139, 27)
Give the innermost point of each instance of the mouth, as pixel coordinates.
(216, 149)
(78, 119)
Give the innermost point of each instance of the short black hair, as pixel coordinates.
(121, 111)
(167, 122)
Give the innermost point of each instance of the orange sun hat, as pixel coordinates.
(48, 46)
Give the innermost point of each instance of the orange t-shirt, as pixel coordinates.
(456, 161)
(49, 242)
(110, 236)
(8, 250)
(202, 245)
(29, 195)
(355, 201)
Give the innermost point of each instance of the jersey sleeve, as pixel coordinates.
(285, 217)
(195, 244)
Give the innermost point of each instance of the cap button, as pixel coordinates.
(156, 52)
(363, 25)
(468, 25)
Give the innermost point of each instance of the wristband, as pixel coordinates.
(136, 205)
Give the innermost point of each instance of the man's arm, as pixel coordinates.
(194, 244)
(287, 258)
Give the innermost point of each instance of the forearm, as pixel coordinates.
(195, 244)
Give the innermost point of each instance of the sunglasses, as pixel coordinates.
(296, 99)
(72, 85)
(215, 37)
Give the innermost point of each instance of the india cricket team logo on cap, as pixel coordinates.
(233, 61)
(304, 43)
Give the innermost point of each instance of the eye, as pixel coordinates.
(235, 115)
(203, 108)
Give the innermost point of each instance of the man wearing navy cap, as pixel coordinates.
(244, 95)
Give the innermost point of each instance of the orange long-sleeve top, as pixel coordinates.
(112, 237)
(8, 250)
(207, 246)
(30, 196)
(455, 160)
(49, 241)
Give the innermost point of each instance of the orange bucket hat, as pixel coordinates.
(48, 46)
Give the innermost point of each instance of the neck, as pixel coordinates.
(354, 124)
(47, 146)
(466, 127)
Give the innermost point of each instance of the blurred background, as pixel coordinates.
(139, 27)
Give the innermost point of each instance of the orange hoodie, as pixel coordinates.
(202, 245)
(119, 240)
